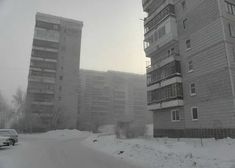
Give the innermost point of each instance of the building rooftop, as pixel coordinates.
(55, 19)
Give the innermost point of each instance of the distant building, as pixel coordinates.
(108, 97)
(52, 93)
(191, 78)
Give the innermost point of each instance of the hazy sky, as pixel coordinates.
(112, 37)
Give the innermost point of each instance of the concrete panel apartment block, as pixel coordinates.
(202, 101)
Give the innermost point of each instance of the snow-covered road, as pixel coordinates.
(41, 151)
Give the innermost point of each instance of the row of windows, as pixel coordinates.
(43, 97)
(45, 44)
(44, 54)
(158, 34)
(169, 10)
(174, 91)
(164, 72)
(175, 114)
(230, 8)
(46, 25)
(43, 64)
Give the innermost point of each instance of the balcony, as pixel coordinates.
(41, 91)
(165, 72)
(46, 35)
(44, 59)
(172, 57)
(166, 82)
(36, 63)
(44, 54)
(165, 34)
(45, 49)
(164, 105)
(42, 79)
(153, 21)
(45, 44)
(165, 97)
(146, 4)
(43, 103)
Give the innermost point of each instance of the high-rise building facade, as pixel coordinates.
(191, 78)
(109, 97)
(52, 92)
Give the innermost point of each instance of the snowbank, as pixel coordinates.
(62, 134)
(168, 153)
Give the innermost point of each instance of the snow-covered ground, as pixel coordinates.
(73, 148)
(168, 153)
(57, 149)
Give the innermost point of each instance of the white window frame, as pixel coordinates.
(190, 70)
(190, 87)
(192, 113)
(185, 23)
(231, 30)
(172, 114)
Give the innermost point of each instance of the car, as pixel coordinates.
(5, 141)
(11, 133)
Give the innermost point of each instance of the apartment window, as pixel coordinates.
(190, 66)
(231, 30)
(185, 23)
(183, 4)
(61, 77)
(56, 27)
(230, 8)
(170, 92)
(170, 52)
(192, 89)
(194, 112)
(60, 88)
(156, 35)
(233, 54)
(175, 115)
(162, 32)
(188, 44)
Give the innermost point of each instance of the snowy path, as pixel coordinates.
(43, 152)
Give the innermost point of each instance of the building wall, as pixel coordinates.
(206, 24)
(68, 66)
(210, 73)
(108, 97)
(163, 119)
(59, 54)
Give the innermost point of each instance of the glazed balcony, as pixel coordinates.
(171, 57)
(44, 54)
(165, 34)
(167, 104)
(36, 63)
(46, 35)
(166, 96)
(41, 79)
(152, 21)
(167, 71)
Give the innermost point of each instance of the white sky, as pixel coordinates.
(112, 36)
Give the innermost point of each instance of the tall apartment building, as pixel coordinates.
(108, 97)
(191, 78)
(52, 93)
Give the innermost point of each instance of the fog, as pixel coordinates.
(111, 39)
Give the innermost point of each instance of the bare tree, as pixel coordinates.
(19, 102)
(4, 111)
(17, 120)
